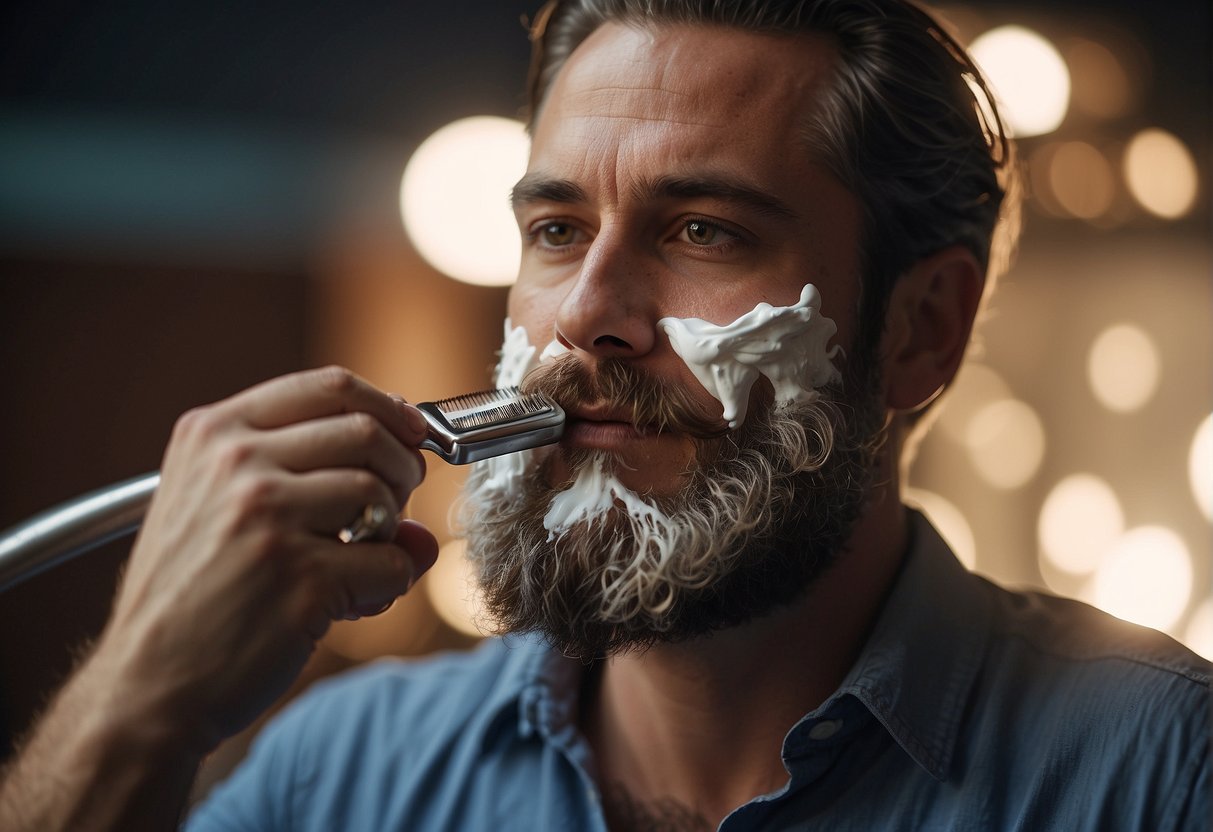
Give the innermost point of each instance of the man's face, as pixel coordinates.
(668, 180)
(668, 177)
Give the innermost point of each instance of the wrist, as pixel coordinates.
(137, 710)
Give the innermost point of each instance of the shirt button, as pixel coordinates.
(825, 729)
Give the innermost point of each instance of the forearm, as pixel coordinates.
(100, 758)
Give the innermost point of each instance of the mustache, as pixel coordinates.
(653, 403)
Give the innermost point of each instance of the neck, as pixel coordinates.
(702, 723)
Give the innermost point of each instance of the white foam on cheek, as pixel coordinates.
(592, 495)
(787, 344)
(517, 356)
(517, 359)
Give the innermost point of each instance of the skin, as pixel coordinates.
(608, 250)
(236, 573)
(630, 244)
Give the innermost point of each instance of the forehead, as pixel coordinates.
(719, 85)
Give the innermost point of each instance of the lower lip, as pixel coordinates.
(606, 436)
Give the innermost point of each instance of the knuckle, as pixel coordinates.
(197, 423)
(364, 428)
(256, 497)
(233, 455)
(336, 379)
(365, 484)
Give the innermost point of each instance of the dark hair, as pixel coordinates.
(908, 123)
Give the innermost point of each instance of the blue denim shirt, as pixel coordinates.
(969, 708)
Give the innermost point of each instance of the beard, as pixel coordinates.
(764, 511)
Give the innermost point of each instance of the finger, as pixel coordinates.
(421, 547)
(352, 440)
(330, 391)
(362, 577)
(327, 501)
(420, 543)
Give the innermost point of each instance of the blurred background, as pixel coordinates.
(198, 196)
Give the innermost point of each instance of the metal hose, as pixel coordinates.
(73, 528)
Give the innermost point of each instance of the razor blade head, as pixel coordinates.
(490, 423)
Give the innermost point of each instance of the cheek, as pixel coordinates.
(535, 311)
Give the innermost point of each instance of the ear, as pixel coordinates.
(927, 325)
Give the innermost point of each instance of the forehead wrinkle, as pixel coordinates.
(633, 103)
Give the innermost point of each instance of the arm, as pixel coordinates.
(235, 575)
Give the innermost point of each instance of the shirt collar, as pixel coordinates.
(918, 667)
(914, 673)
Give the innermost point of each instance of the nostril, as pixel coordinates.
(612, 341)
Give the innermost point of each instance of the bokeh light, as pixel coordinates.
(976, 386)
(1200, 466)
(1081, 180)
(1146, 578)
(1100, 86)
(1081, 520)
(1006, 442)
(1123, 368)
(451, 589)
(949, 521)
(1161, 173)
(454, 199)
(1029, 77)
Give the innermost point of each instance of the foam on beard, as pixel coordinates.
(785, 344)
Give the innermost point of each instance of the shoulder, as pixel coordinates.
(1062, 632)
(1088, 697)
(1081, 720)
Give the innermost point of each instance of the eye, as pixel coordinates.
(706, 234)
(557, 234)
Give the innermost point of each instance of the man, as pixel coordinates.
(725, 615)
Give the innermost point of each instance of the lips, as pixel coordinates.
(602, 428)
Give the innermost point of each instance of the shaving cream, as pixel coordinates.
(592, 495)
(787, 344)
(517, 359)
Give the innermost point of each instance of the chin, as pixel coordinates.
(646, 471)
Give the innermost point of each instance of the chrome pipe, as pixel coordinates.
(73, 528)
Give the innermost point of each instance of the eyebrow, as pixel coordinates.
(723, 188)
(539, 188)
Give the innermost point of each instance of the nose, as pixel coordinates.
(609, 311)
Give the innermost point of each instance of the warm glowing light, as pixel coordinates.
(976, 386)
(1007, 443)
(950, 522)
(1161, 173)
(1123, 368)
(452, 590)
(1081, 179)
(1080, 522)
(1028, 75)
(1200, 466)
(1146, 578)
(1199, 635)
(455, 199)
(1100, 84)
